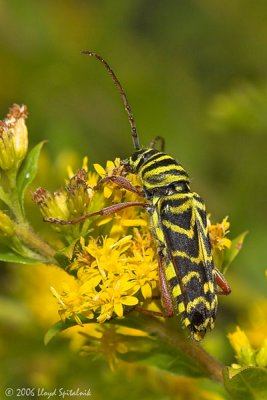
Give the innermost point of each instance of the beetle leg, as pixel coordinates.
(155, 140)
(165, 295)
(121, 182)
(222, 283)
(105, 211)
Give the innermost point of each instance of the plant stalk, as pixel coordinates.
(33, 241)
(212, 367)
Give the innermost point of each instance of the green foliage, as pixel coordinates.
(249, 383)
(12, 257)
(242, 110)
(149, 351)
(28, 171)
(231, 253)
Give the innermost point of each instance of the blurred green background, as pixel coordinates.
(195, 72)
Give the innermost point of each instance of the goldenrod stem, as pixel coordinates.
(11, 196)
(206, 362)
(34, 242)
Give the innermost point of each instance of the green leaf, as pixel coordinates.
(8, 256)
(249, 384)
(55, 329)
(149, 350)
(166, 359)
(64, 255)
(4, 197)
(60, 326)
(230, 254)
(158, 354)
(28, 171)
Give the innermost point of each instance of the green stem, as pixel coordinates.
(206, 362)
(16, 209)
(14, 203)
(33, 241)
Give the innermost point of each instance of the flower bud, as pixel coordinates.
(79, 194)
(52, 205)
(13, 138)
(20, 139)
(261, 357)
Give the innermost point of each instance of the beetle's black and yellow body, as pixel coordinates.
(180, 227)
(187, 273)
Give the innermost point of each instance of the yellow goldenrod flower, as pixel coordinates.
(92, 177)
(112, 168)
(217, 234)
(109, 254)
(143, 266)
(114, 294)
(72, 303)
(257, 322)
(240, 343)
(111, 340)
(112, 276)
(245, 353)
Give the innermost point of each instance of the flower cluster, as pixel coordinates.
(68, 203)
(113, 257)
(111, 341)
(218, 233)
(111, 276)
(220, 243)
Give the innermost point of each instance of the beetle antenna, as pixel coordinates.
(123, 96)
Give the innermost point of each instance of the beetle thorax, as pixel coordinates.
(159, 172)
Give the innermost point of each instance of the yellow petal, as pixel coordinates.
(129, 300)
(100, 170)
(85, 164)
(118, 309)
(110, 165)
(104, 221)
(134, 222)
(107, 192)
(117, 162)
(123, 330)
(238, 340)
(227, 243)
(121, 242)
(146, 291)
